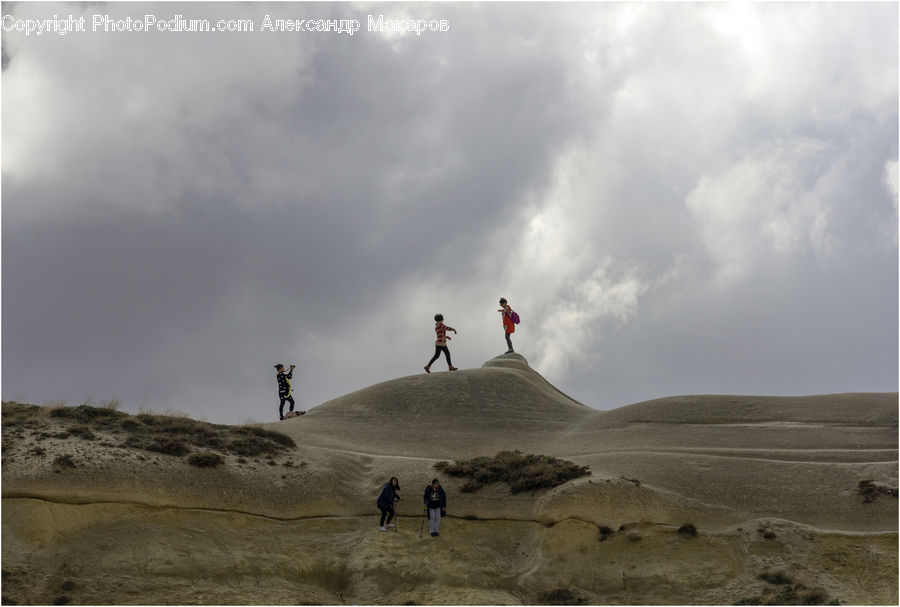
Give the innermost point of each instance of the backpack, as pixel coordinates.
(514, 317)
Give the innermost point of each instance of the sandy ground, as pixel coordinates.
(770, 484)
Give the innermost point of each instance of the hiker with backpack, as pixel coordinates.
(440, 344)
(390, 493)
(510, 320)
(285, 389)
(435, 505)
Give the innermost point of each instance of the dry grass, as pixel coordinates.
(788, 590)
(112, 404)
(776, 576)
(172, 433)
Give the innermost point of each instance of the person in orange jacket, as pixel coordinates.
(508, 325)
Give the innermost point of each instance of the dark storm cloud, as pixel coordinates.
(677, 195)
(219, 197)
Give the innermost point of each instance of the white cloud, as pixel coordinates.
(573, 317)
(768, 202)
(892, 184)
(891, 180)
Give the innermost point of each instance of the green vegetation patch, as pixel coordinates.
(521, 471)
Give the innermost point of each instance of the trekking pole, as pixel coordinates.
(422, 526)
(397, 520)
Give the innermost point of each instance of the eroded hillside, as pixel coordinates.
(102, 507)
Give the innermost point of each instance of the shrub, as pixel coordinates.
(168, 446)
(522, 472)
(605, 533)
(776, 576)
(688, 529)
(15, 414)
(147, 419)
(251, 446)
(83, 431)
(470, 487)
(276, 437)
(560, 596)
(787, 590)
(64, 461)
(812, 596)
(870, 491)
(178, 425)
(205, 460)
(87, 413)
(130, 425)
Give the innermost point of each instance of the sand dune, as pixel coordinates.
(769, 482)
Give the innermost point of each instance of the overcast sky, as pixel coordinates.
(676, 198)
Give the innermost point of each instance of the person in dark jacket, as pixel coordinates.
(390, 493)
(436, 505)
(285, 388)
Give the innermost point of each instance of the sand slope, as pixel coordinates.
(768, 481)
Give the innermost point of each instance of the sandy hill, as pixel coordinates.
(503, 405)
(105, 508)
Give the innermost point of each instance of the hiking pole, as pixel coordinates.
(422, 526)
(397, 520)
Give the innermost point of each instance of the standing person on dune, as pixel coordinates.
(509, 322)
(284, 388)
(440, 344)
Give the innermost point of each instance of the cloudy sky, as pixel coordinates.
(676, 198)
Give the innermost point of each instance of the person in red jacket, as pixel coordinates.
(508, 325)
(440, 344)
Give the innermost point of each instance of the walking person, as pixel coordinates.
(440, 344)
(436, 503)
(509, 326)
(390, 493)
(285, 389)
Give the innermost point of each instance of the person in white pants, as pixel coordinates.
(436, 503)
